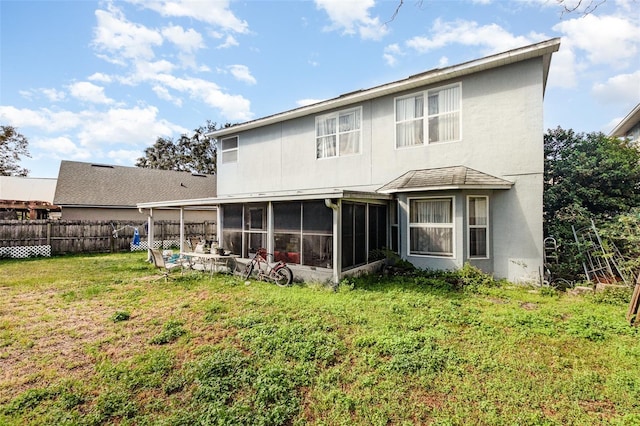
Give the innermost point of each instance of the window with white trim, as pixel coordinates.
(478, 226)
(442, 123)
(229, 150)
(338, 133)
(431, 230)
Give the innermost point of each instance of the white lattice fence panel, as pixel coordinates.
(21, 252)
(165, 244)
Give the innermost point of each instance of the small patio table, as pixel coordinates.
(213, 260)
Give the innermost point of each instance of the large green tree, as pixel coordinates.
(586, 177)
(13, 146)
(194, 153)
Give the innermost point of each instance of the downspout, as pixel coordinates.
(337, 254)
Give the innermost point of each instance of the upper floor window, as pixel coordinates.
(229, 149)
(338, 133)
(442, 117)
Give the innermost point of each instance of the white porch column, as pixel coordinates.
(270, 233)
(337, 242)
(150, 235)
(219, 225)
(181, 229)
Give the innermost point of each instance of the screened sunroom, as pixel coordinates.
(321, 238)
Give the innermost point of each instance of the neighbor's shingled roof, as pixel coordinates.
(444, 178)
(87, 184)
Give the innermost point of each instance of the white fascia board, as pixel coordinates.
(448, 188)
(267, 196)
(543, 49)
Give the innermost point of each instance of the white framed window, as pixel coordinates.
(478, 226)
(431, 230)
(229, 150)
(410, 121)
(338, 133)
(440, 122)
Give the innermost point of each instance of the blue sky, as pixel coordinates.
(99, 81)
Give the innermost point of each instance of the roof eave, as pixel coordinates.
(447, 188)
(543, 49)
(627, 123)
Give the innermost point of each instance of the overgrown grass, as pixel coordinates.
(93, 340)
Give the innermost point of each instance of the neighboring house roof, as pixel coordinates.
(100, 185)
(458, 177)
(631, 120)
(543, 49)
(27, 189)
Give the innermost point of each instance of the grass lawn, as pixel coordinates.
(95, 340)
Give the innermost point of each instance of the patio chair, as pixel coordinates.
(164, 267)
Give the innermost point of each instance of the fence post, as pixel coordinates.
(48, 233)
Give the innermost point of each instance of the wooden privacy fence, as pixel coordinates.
(80, 236)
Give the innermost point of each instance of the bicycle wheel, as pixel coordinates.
(283, 276)
(248, 270)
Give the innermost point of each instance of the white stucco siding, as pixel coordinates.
(283, 157)
(501, 133)
(517, 229)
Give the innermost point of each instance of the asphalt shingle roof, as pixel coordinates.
(443, 178)
(90, 184)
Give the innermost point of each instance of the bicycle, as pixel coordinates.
(278, 272)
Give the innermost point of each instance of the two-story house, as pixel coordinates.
(443, 167)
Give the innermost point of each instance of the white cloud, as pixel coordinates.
(563, 72)
(231, 107)
(188, 41)
(391, 52)
(229, 41)
(611, 40)
(163, 93)
(620, 89)
(492, 37)
(124, 157)
(89, 92)
(52, 95)
(443, 62)
(353, 17)
(122, 40)
(138, 126)
(62, 147)
(212, 12)
(101, 77)
(44, 119)
(242, 73)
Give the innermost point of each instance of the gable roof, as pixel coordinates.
(458, 177)
(543, 49)
(100, 185)
(627, 123)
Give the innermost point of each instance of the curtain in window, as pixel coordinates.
(478, 211)
(349, 128)
(435, 239)
(326, 137)
(478, 221)
(444, 115)
(431, 211)
(409, 122)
